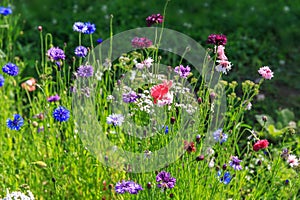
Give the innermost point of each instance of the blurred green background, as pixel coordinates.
(259, 32)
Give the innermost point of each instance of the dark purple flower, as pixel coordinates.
(165, 180)
(127, 186)
(78, 27)
(89, 28)
(85, 71)
(56, 53)
(99, 40)
(5, 11)
(53, 98)
(217, 39)
(154, 19)
(81, 51)
(10, 69)
(130, 97)
(182, 71)
(235, 163)
(141, 43)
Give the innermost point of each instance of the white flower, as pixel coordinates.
(211, 164)
(224, 66)
(293, 161)
(148, 62)
(249, 106)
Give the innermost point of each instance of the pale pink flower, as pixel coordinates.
(224, 66)
(293, 161)
(221, 53)
(146, 63)
(265, 72)
(167, 99)
(249, 106)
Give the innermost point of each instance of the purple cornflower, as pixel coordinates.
(217, 39)
(89, 28)
(154, 19)
(115, 119)
(219, 136)
(5, 11)
(141, 43)
(130, 97)
(81, 51)
(85, 71)
(61, 114)
(182, 71)
(78, 27)
(226, 178)
(1, 80)
(235, 163)
(53, 98)
(16, 123)
(10, 69)
(165, 180)
(56, 53)
(127, 186)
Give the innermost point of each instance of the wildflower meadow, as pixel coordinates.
(146, 113)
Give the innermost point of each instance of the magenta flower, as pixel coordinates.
(53, 98)
(141, 43)
(154, 19)
(266, 72)
(217, 39)
(182, 71)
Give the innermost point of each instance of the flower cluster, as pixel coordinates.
(10, 69)
(127, 186)
(130, 97)
(55, 54)
(19, 195)
(165, 181)
(217, 39)
(145, 63)
(16, 123)
(182, 71)
(81, 51)
(85, 28)
(61, 114)
(141, 43)
(5, 11)
(266, 72)
(261, 144)
(115, 119)
(154, 19)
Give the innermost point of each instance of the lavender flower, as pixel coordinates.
(235, 163)
(10, 69)
(89, 28)
(53, 98)
(78, 27)
(154, 19)
(141, 43)
(85, 71)
(165, 180)
(115, 119)
(81, 51)
(183, 71)
(1, 80)
(130, 97)
(127, 186)
(219, 136)
(56, 53)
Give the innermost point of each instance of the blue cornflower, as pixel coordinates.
(61, 114)
(166, 129)
(78, 27)
(130, 97)
(89, 28)
(99, 40)
(10, 69)
(5, 11)
(16, 123)
(1, 80)
(115, 119)
(235, 163)
(127, 186)
(219, 136)
(226, 178)
(81, 51)
(85, 71)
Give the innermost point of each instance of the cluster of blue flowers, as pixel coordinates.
(61, 114)
(85, 28)
(127, 186)
(10, 69)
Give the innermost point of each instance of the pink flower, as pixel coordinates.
(224, 66)
(146, 63)
(221, 52)
(160, 92)
(265, 72)
(154, 19)
(261, 144)
(293, 161)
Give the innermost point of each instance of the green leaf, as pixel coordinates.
(285, 116)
